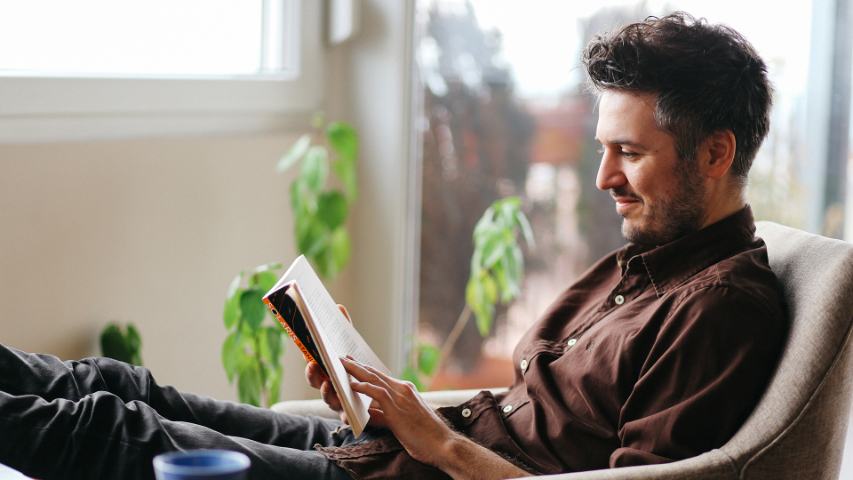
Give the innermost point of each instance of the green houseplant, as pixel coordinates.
(497, 269)
(252, 350)
(320, 210)
(122, 343)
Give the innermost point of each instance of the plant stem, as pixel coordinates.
(450, 342)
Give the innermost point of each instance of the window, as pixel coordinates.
(100, 68)
(505, 112)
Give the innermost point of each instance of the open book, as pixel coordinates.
(304, 307)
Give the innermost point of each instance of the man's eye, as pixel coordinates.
(629, 154)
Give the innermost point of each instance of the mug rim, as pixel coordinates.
(163, 463)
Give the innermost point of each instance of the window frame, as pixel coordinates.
(56, 108)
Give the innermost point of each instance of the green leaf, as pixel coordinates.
(474, 295)
(249, 385)
(294, 154)
(134, 341)
(301, 198)
(504, 286)
(231, 354)
(263, 281)
(311, 235)
(270, 344)
(485, 222)
(490, 289)
(428, 356)
(252, 307)
(526, 230)
(493, 249)
(484, 319)
(343, 139)
(134, 344)
(332, 209)
(345, 169)
(114, 345)
(506, 209)
(339, 248)
(273, 384)
(234, 285)
(231, 312)
(409, 374)
(315, 168)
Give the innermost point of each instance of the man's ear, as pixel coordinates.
(717, 153)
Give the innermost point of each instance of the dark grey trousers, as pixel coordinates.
(100, 418)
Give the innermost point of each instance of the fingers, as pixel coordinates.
(377, 418)
(315, 375)
(379, 394)
(343, 310)
(365, 373)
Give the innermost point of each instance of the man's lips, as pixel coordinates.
(625, 203)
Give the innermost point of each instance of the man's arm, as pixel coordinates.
(398, 407)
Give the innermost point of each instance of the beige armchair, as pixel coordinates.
(797, 430)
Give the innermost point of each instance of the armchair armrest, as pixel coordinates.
(438, 398)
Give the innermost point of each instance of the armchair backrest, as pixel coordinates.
(797, 430)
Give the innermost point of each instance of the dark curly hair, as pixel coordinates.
(707, 78)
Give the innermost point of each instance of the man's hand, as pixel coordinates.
(398, 407)
(318, 379)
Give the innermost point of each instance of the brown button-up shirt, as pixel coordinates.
(653, 355)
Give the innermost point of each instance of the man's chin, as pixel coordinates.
(636, 234)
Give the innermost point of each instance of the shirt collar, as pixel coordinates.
(670, 264)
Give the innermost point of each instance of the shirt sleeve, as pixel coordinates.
(706, 369)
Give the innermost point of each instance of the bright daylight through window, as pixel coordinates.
(133, 38)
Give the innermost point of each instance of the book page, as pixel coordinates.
(355, 404)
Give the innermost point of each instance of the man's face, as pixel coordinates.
(659, 196)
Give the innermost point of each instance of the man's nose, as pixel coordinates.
(610, 173)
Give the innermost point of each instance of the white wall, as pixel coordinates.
(142, 231)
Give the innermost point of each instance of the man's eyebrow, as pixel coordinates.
(625, 142)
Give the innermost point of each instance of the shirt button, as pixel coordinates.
(572, 342)
(619, 299)
(523, 365)
(466, 412)
(507, 408)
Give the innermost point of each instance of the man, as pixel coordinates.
(658, 352)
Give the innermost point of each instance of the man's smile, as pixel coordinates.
(624, 201)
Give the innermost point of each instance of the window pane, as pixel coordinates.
(505, 111)
(152, 37)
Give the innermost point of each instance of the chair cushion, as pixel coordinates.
(797, 429)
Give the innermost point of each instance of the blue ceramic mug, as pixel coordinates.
(201, 465)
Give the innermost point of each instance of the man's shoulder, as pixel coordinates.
(744, 277)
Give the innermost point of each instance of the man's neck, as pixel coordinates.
(722, 203)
